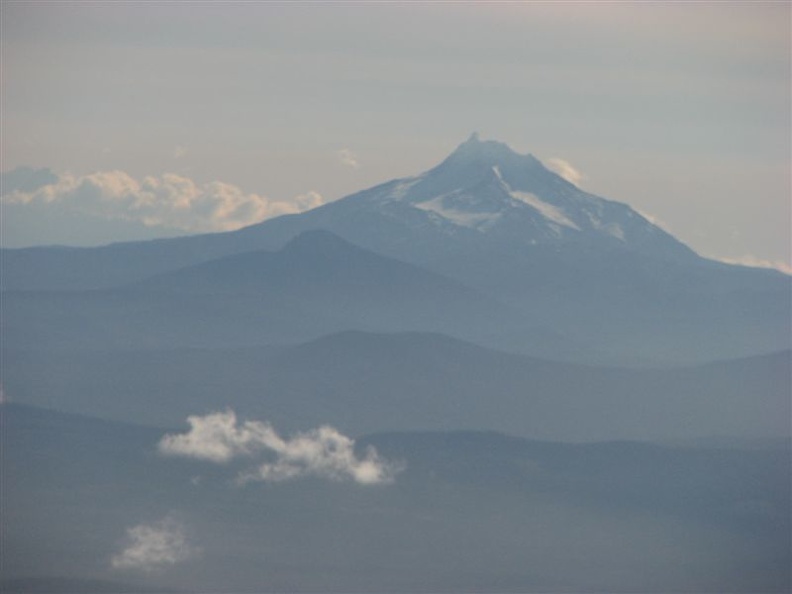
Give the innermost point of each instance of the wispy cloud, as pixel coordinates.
(565, 170)
(655, 220)
(348, 158)
(755, 262)
(325, 452)
(170, 200)
(154, 546)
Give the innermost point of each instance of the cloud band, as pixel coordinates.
(325, 452)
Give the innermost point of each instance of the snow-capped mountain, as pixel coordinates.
(482, 196)
(485, 187)
(579, 271)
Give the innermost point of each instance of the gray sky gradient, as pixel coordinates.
(681, 110)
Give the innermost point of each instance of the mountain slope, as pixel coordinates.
(317, 284)
(363, 382)
(483, 195)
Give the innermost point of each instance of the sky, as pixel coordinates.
(140, 120)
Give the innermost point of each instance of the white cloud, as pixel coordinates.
(348, 158)
(755, 262)
(324, 452)
(655, 220)
(307, 201)
(218, 437)
(154, 546)
(170, 200)
(565, 170)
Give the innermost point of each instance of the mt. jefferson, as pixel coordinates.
(584, 278)
(483, 194)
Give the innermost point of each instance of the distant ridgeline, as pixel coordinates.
(526, 260)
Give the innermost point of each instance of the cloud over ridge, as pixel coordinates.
(324, 452)
(169, 200)
(756, 262)
(565, 169)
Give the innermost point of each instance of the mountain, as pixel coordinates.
(594, 271)
(365, 382)
(594, 276)
(482, 194)
(598, 272)
(470, 511)
(317, 284)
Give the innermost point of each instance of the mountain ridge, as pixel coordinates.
(363, 382)
(316, 284)
(593, 271)
(93, 267)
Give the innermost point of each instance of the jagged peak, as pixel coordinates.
(475, 144)
(487, 152)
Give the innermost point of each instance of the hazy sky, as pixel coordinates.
(681, 110)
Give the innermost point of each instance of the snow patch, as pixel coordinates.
(473, 220)
(400, 190)
(548, 211)
(612, 229)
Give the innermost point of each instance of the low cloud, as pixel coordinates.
(324, 452)
(154, 546)
(348, 158)
(307, 201)
(655, 220)
(565, 170)
(170, 200)
(755, 262)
